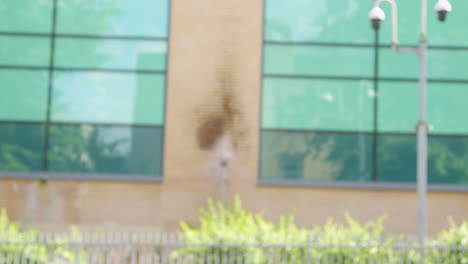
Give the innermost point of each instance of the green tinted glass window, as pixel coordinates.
(442, 64)
(448, 160)
(304, 43)
(316, 157)
(24, 51)
(313, 21)
(325, 21)
(449, 33)
(106, 93)
(447, 108)
(318, 60)
(100, 149)
(111, 54)
(448, 64)
(24, 95)
(453, 31)
(398, 106)
(409, 22)
(108, 98)
(396, 158)
(397, 64)
(26, 15)
(21, 147)
(317, 104)
(113, 17)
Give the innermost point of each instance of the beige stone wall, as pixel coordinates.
(214, 78)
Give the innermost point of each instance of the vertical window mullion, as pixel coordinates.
(376, 106)
(50, 86)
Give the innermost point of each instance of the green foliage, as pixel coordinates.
(452, 243)
(222, 230)
(27, 245)
(244, 237)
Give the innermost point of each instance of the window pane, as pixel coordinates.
(26, 15)
(111, 54)
(398, 106)
(24, 95)
(409, 22)
(328, 21)
(447, 108)
(448, 160)
(453, 31)
(25, 51)
(443, 64)
(316, 157)
(396, 159)
(317, 104)
(448, 64)
(397, 64)
(108, 98)
(114, 17)
(314, 60)
(21, 147)
(99, 149)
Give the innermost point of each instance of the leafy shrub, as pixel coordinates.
(235, 233)
(451, 244)
(243, 237)
(29, 246)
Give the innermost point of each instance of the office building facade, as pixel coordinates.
(129, 113)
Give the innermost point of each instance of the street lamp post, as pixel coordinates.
(376, 15)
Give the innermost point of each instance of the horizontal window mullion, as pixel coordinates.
(318, 43)
(367, 78)
(322, 131)
(319, 77)
(318, 131)
(24, 67)
(389, 133)
(359, 185)
(25, 122)
(355, 45)
(32, 67)
(83, 36)
(103, 124)
(48, 175)
(110, 70)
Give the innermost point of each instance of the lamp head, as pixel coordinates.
(376, 16)
(442, 8)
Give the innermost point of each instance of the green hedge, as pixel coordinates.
(455, 240)
(245, 237)
(230, 233)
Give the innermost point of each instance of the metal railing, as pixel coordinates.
(149, 248)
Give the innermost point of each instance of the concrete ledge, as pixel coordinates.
(45, 176)
(361, 185)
